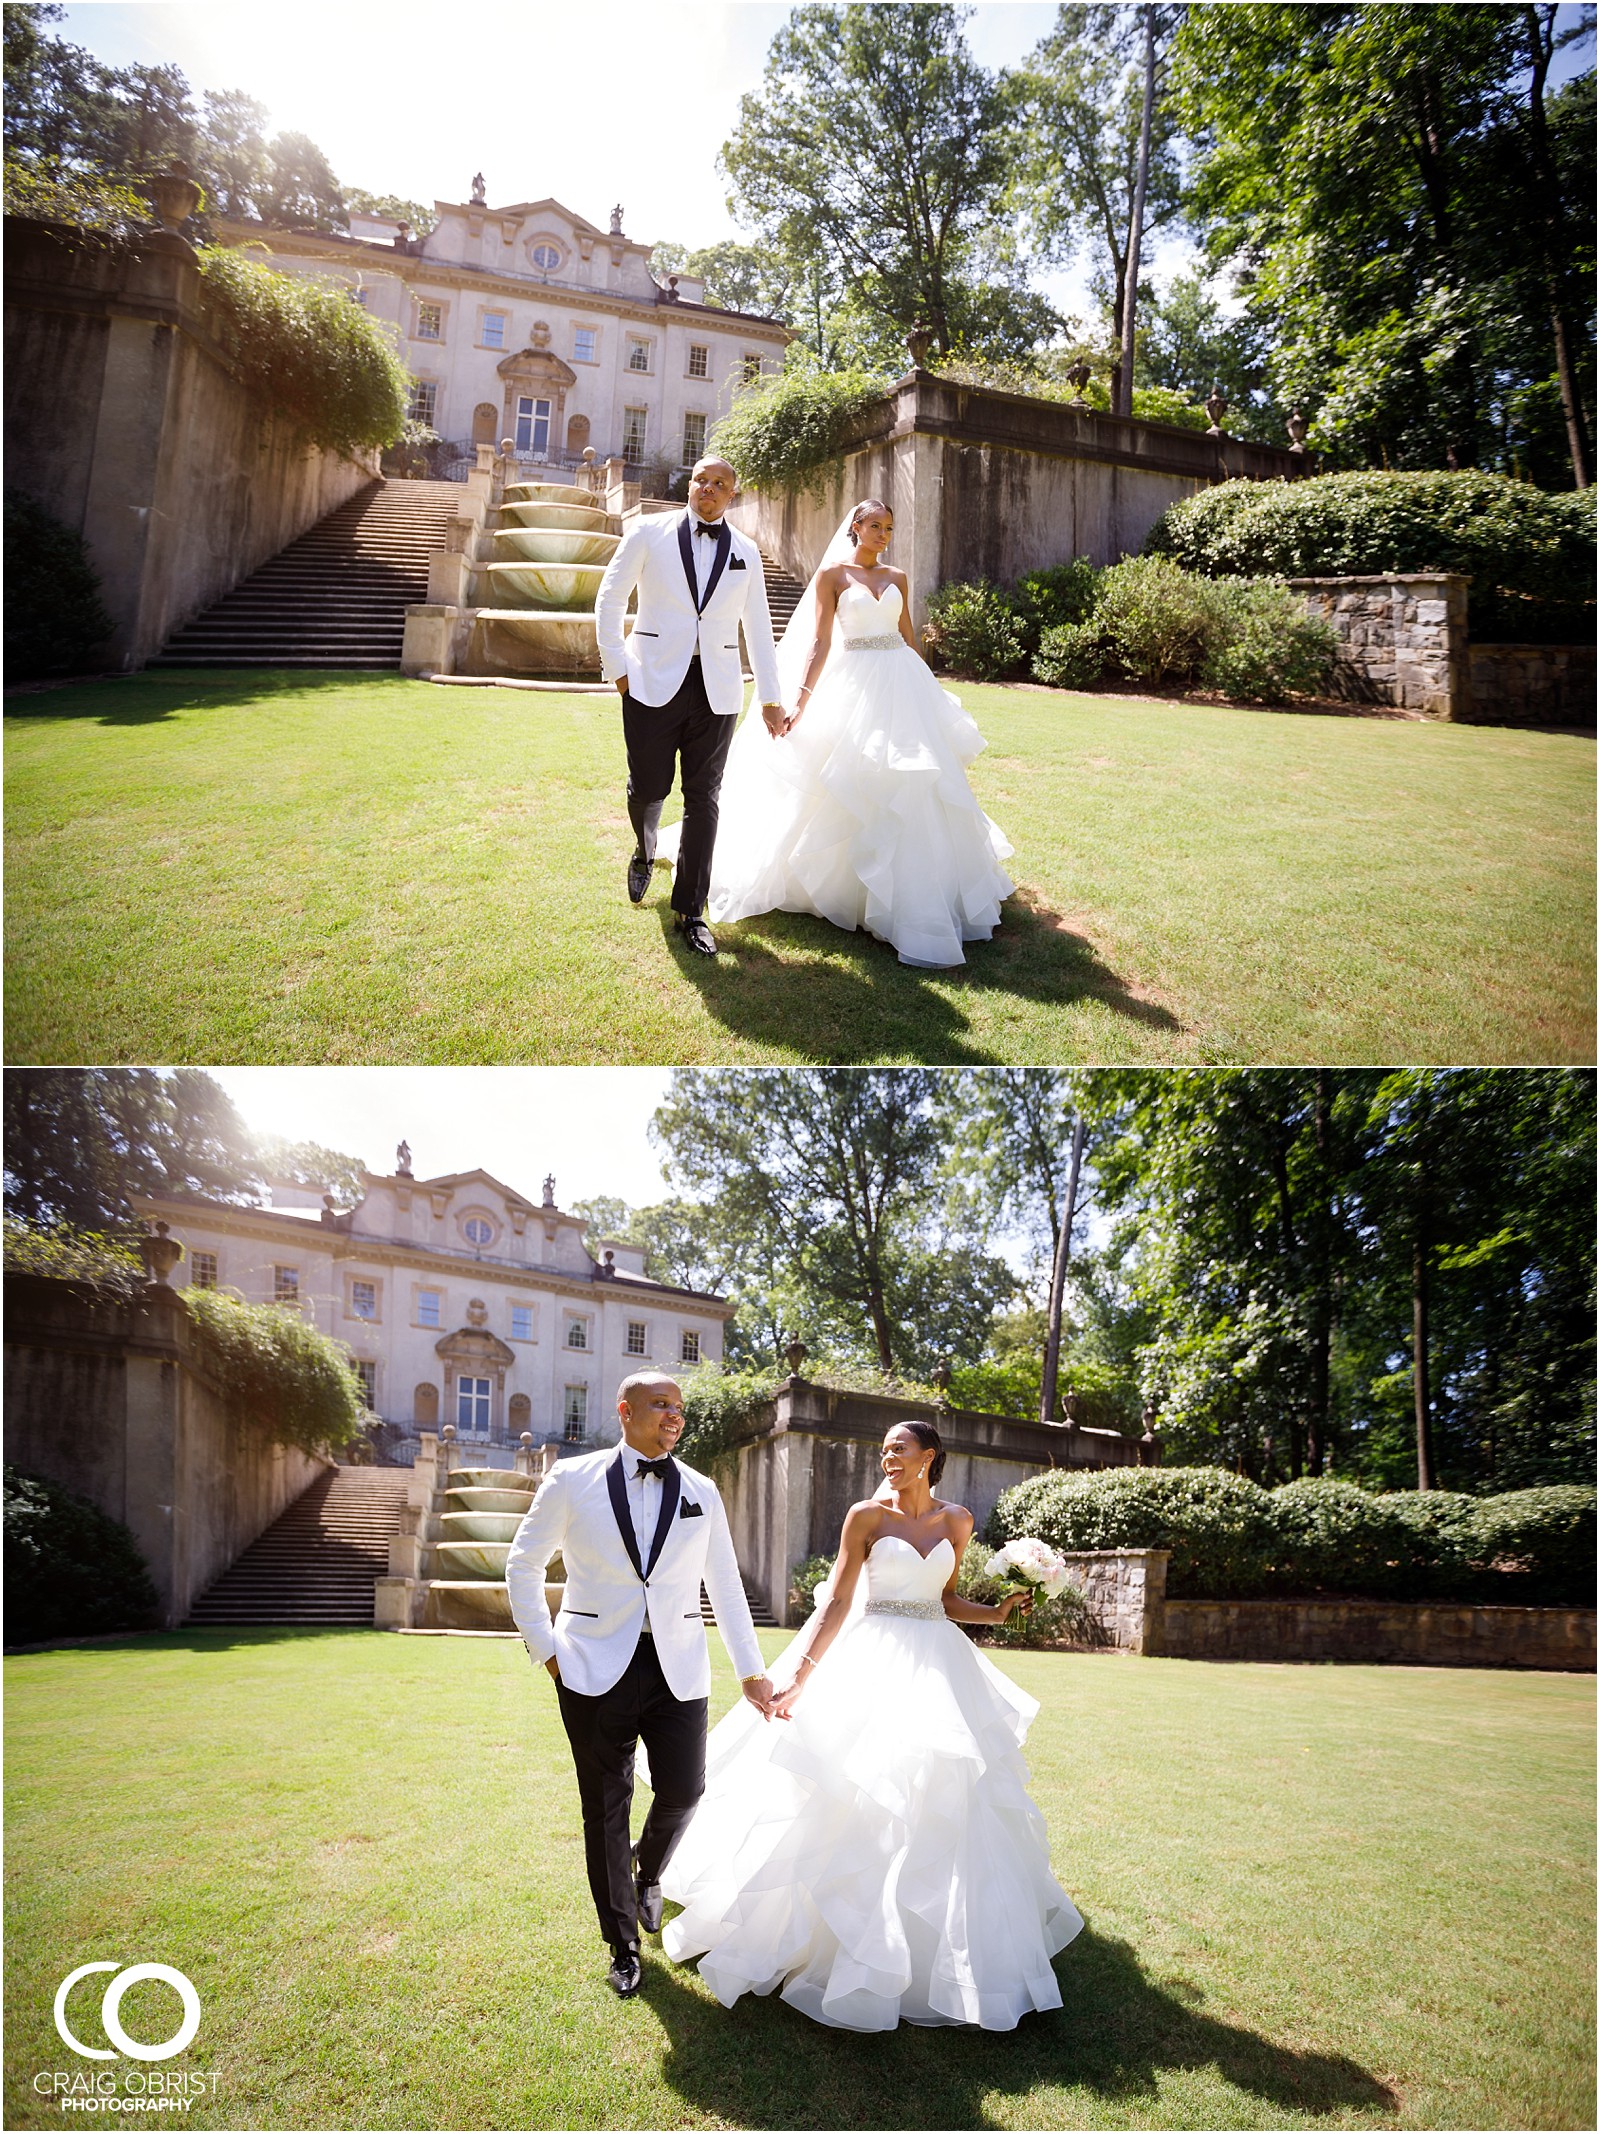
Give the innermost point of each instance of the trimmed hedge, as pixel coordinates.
(70, 1569)
(1529, 554)
(1232, 1540)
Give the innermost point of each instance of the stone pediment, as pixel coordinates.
(471, 1346)
(538, 367)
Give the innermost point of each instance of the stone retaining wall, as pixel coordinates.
(1402, 639)
(1425, 1634)
(109, 1401)
(125, 419)
(1533, 685)
(986, 484)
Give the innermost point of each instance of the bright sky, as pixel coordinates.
(542, 96)
(586, 1124)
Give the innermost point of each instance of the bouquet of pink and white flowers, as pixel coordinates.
(1028, 1563)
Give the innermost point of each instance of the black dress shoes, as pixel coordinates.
(627, 1973)
(696, 934)
(638, 878)
(648, 1897)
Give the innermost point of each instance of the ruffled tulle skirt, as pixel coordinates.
(863, 814)
(876, 1857)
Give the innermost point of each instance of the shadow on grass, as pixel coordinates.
(865, 1004)
(762, 2064)
(222, 1637)
(155, 695)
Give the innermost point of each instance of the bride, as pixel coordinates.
(859, 809)
(879, 1857)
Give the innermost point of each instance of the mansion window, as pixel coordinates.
(522, 1322)
(494, 329)
(533, 427)
(364, 1300)
(633, 432)
(477, 1231)
(430, 1307)
(286, 1285)
(202, 1270)
(472, 1406)
(577, 1333)
(367, 1375)
(638, 354)
(575, 1414)
(585, 344)
(430, 322)
(545, 257)
(699, 360)
(691, 1349)
(424, 398)
(694, 438)
(636, 1338)
(751, 367)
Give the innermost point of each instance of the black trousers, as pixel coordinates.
(604, 1732)
(657, 736)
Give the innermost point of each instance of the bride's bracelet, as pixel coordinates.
(805, 1660)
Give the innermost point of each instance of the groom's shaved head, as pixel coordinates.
(711, 488)
(726, 466)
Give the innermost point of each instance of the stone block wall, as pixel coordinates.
(1127, 1594)
(1424, 1634)
(1533, 685)
(1402, 639)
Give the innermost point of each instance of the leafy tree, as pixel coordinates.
(419, 219)
(737, 277)
(231, 155)
(1362, 168)
(878, 143)
(311, 1166)
(299, 187)
(1186, 345)
(829, 1180)
(1099, 164)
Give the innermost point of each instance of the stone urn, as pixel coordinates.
(1216, 408)
(919, 340)
(174, 195)
(160, 1254)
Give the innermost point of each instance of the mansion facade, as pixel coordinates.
(530, 323)
(461, 1301)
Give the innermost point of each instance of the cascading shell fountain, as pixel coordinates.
(533, 599)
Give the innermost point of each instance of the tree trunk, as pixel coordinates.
(1130, 285)
(1419, 1356)
(1058, 1282)
(1540, 52)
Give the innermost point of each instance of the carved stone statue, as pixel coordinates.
(540, 336)
(402, 1160)
(550, 1189)
(477, 190)
(616, 220)
(477, 1312)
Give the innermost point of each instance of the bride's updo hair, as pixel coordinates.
(867, 503)
(928, 1438)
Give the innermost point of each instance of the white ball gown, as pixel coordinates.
(863, 814)
(876, 1856)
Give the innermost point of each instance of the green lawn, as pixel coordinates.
(1314, 1897)
(279, 867)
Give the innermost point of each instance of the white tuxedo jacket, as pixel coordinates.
(582, 1513)
(671, 625)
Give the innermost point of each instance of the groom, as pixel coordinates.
(637, 1534)
(679, 675)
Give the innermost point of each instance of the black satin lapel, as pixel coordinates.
(686, 550)
(666, 1515)
(724, 550)
(617, 1490)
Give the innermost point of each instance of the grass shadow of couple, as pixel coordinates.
(860, 1003)
(762, 2064)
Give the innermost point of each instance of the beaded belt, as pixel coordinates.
(925, 1611)
(874, 644)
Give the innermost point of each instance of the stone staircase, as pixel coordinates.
(337, 596)
(446, 1561)
(784, 593)
(319, 1561)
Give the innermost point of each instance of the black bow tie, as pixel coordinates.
(659, 1468)
(708, 526)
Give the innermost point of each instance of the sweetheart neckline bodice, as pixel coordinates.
(943, 1542)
